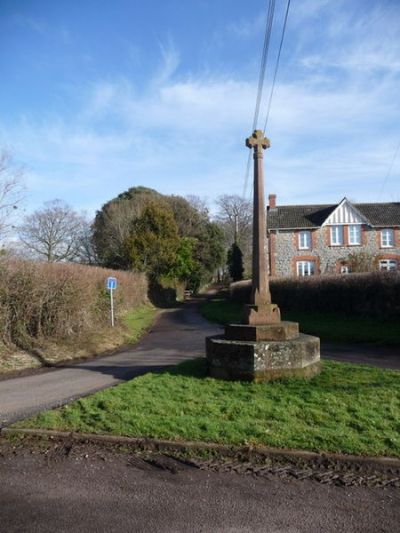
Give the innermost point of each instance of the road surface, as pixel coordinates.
(177, 335)
(98, 492)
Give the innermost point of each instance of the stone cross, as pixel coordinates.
(261, 310)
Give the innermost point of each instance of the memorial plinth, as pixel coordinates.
(262, 347)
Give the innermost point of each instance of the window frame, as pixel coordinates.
(306, 272)
(350, 235)
(335, 233)
(388, 261)
(345, 269)
(300, 244)
(384, 233)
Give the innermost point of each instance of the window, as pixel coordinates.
(387, 238)
(305, 240)
(345, 269)
(388, 264)
(305, 268)
(337, 236)
(354, 234)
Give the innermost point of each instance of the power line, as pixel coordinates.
(276, 66)
(264, 57)
(389, 169)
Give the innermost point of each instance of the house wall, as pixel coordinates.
(283, 246)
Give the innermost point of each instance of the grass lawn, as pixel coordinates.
(347, 408)
(329, 327)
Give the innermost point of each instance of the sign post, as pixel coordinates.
(111, 286)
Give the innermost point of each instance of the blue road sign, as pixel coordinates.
(111, 283)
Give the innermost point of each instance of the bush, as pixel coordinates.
(374, 294)
(56, 301)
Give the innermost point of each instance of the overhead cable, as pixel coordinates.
(276, 66)
(389, 170)
(263, 63)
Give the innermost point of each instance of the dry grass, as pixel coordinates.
(61, 310)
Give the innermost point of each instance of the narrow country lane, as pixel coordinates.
(177, 335)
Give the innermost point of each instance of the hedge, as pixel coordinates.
(56, 301)
(375, 294)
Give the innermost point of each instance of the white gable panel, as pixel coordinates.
(345, 213)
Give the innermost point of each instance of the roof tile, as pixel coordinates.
(313, 216)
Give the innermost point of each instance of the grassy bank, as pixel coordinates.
(130, 326)
(137, 322)
(327, 326)
(347, 408)
(51, 312)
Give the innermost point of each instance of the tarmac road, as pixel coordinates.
(88, 492)
(177, 335)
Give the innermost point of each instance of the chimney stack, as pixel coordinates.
(272, 201)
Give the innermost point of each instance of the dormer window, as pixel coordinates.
(387, 238)
(304, 240)
(337, 236)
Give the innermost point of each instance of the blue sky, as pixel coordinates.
(97, 97)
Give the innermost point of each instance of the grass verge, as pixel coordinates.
(328, 326)
(128, 330)
(351, 409)
(138, 321)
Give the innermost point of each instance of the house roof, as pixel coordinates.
(313, 216)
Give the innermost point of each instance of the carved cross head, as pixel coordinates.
(257, 140)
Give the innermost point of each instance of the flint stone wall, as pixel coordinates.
(286, 252)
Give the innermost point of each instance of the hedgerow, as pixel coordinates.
(58, 301)
(375, 294)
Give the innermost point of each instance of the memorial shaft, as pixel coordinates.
(260, 310)
(260, 290)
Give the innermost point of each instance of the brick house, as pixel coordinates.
(316, 239)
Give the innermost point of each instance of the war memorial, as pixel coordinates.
(263, 347)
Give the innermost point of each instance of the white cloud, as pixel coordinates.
(333, 134)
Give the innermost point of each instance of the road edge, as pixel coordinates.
(246, 453)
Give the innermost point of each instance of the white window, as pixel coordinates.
(388, 264)
(387, 238)
(305, 240)
(345, 269)
(305, 268)
(337, 236)
(354, 234)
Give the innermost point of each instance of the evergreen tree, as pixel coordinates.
(154, 241)
(235, 262)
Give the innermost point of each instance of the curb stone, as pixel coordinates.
(259, 461)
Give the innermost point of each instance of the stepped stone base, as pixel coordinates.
(260, 360)
(281, 331)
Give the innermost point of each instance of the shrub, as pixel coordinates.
(55, 300)
(375, 294)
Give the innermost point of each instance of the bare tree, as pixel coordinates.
(54, 232)
(86, 249)
(199, 204)
(11, 191)
(235, 214)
